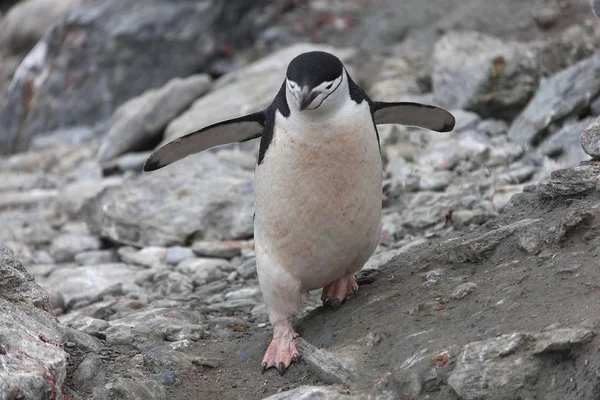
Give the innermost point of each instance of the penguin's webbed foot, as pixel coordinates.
(336, 292)
(282, 350)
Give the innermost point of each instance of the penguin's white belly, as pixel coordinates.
(318, 200)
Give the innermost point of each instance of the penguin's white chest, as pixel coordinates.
(318, 197)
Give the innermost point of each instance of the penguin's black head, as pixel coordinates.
(312, 77)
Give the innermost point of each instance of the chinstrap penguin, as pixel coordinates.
(318, 185)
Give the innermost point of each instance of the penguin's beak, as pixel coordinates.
(305, 97)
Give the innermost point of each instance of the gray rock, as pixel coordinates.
(489, 369)
(474, 71)
(204, 270)
(89, 325)
(33, 361)
(503, 194)
(100, 52)
(325, 365)
(571, 181)
(248, 269)
(132, 161)
(560, 96)
(87, 281)
(218, 249)
(89, 372)
(478, 247)
(436, 181)
(386, 388)
(590, 139)
(17, 284)
(177, 254)
(492, 127)
(142, 118)
(27, 199)
(247, 90)
(28, 21)
(566, 143)
(130, 388)
(558, 340)
(179, 333)
(95, 257)
(596, 6)
(310, 393)
(162, 357)
(233, 305)
(466, 218)
(197, 197)
(64, 247)
(465, 120)
(463, 290)
(151, 257)
(529, 243)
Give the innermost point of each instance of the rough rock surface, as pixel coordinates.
(198, 198)
(590, 139)
(100, 54)
(477, 72)
(34, 365)
(567, 93)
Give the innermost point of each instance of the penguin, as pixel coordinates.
(318, 185)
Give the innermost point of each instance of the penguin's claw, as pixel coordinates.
(282, 350)
(336, 292)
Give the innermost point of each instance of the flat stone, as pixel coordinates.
(218, 249)
(200, 197)
(558, 340)
(142, 118)
(150, 257)
(570, 181)
(204, 270)
(87, 281)
(177, 254)
(310, 393)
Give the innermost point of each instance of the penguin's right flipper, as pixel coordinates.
(230, 131)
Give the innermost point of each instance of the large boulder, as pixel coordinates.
(481, 73)
(567, 93)
(34, 365)
(108, 51)
(200, 197)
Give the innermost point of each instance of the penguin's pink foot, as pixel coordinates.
(336, 292)
(282, 350)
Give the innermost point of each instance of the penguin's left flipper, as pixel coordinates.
(235, 130)
(413, 114)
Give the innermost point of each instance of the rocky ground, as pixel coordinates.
(120, 285)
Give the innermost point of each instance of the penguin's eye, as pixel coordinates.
(329, 86)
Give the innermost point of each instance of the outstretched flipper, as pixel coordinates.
(226, 132)
(413, 114)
